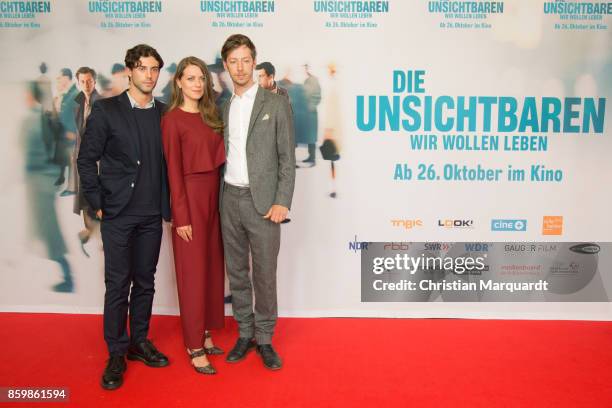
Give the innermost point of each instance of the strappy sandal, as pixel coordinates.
(207, 369)
(211, 350)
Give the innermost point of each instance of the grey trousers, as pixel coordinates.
(244, 229)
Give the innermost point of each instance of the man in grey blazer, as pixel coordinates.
(257, 189)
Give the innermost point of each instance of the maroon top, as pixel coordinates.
(190, 146)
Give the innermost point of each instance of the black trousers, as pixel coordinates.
(131, 250)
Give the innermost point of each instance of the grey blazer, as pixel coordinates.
(270, 150)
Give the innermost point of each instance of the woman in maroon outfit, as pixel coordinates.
(194, 151)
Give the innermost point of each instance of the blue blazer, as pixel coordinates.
(111, 138)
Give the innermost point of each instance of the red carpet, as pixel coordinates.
(328, 363)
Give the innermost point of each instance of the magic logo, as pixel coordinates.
(407, 223)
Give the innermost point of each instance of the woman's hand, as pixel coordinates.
(185, 233)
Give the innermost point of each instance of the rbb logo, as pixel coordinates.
(358, 245)
(456, 223)
(397, 246)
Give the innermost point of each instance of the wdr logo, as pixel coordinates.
(508, 225)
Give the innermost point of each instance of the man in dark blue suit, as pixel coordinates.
(128, 192)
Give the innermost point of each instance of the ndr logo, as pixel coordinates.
(456, 223)
(508, 225)
(358, 245)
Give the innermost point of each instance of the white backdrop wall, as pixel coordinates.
(523, 50)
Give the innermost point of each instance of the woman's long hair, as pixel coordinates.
(206, 104)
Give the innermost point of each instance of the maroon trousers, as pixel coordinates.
(199, 263)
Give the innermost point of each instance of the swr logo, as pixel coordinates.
(437, 246)
(407, 224)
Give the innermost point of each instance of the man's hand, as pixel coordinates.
(277, 213)
(185, 233)
(99, 214)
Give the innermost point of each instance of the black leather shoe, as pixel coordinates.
(113, 373)
(240, 350)
(148, 354)
(270, 359)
